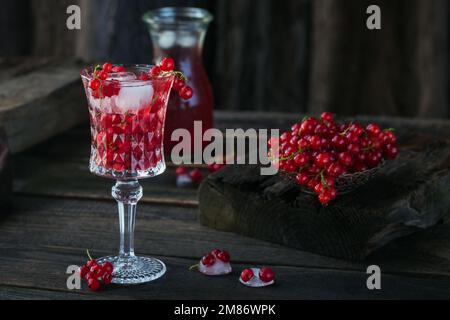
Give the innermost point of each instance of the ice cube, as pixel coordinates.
(186, 39)
(134, 97)
(122, 76)
(219, 268)
(167, 39)
(256, 282)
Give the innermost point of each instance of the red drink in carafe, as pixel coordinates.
(179, 33)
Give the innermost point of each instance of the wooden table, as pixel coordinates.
(60, 210)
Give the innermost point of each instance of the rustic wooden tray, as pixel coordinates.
(410, 194)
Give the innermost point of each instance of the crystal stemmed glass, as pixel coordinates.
(127, 125)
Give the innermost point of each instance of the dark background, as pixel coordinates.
(268, 55)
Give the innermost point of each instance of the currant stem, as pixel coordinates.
(195, 266)
(88, 254)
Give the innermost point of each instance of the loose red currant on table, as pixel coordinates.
(93, 284)
(266, 274)
(247, 275)
(181, 170)
(94, 273)
(196, 175)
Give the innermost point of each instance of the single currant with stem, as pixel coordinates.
(127, 107)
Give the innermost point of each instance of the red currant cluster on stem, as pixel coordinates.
(167, 65)
(321, 150)
(95, 273)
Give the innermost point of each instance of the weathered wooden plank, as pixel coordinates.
(45, 270)
(72, 225)
(40, 104)
(54, 178)
(27, 293)
(413, 194)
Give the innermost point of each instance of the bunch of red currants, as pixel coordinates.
(95, 273)
(318, 151)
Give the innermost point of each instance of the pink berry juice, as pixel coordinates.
(127, 117)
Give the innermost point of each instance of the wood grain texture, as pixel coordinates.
(40, 104)
(408, 195)
(39, 239)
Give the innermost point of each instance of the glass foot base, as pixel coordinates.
(135, 270)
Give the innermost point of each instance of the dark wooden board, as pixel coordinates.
(408, 195)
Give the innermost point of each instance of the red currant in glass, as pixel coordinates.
(94, 84)
(107, 67)
(155, 71)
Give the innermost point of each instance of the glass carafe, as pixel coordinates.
(179, 32)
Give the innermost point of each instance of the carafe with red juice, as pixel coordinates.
(179, 32)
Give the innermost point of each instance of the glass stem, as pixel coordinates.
(127, 194)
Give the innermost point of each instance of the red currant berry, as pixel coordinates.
(107, 278)
(208, 260)
(302, 179)
(97, 270)
(93, 284)
(326, 116)
(144, 77)
(315, 143)
(373, 130)
(391, 151)
(223, 256)
(247, 275)
(353, 148)
(266, 274)
(302, 159)
(102, 75)
(117, 69)
(167, 64)
(181, 170)
(345, 158)
(94, 84)
(308, 126)
(303, 143)
(196, 175)
(178, 84)
(335, 170)
(324, 198)
(91, 263)
(107, 67)
(339, 142)
(155, 71)
(107, 267)
(186, 93)
(84, 271)
(323, 160)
